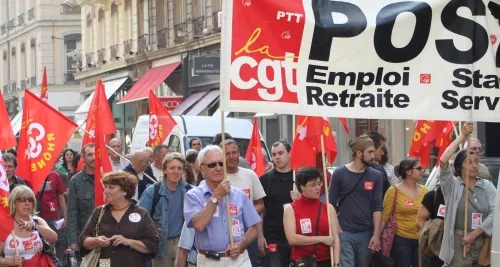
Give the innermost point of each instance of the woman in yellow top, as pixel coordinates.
(410, 193)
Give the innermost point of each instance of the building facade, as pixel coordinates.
(38, 34)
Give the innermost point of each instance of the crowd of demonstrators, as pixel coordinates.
(123, 230)
(306, 223)
(403, 201)
(23, 247)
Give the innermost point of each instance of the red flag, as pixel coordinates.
(307, 145)
(160, 121)
(254, 152)
(344, 123)
(102, 165)
(44, 95)
(7, 138)
(424, 134)
(445, 138)
(44, 134)
(7, 224)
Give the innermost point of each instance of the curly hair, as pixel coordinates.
(126, 181)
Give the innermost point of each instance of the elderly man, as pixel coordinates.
(205, 211)
(137, 166)
(117, 163)
(150, 153)
(475, 145)
(155, 169)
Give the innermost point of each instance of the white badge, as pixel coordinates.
(236, 228)
(134, 217)
(441, 210)
(477, 220)
(305, 226)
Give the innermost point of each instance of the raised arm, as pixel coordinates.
(450, 150)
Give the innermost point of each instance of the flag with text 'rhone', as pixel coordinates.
(7, 224)
(254, 152)
(44, 134)
(161, 122)
(426, 131)
(7, 138)
(44, 95)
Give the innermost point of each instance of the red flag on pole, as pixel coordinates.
(344, 123)
(424, 134)
(7, 138)
(445, 138)
(7, 224)
(44, 134)
(254, 152)
(161, 122)
(102, 165)
(44, 95)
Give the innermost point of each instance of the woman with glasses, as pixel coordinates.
(306, 222)
(409, 196)
(23, 246)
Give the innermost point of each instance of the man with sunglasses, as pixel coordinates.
(475, 145)
(205, 211)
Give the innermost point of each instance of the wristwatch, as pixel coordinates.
(214, 201)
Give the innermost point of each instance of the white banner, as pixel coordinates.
(433, 59)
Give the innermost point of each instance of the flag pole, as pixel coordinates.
(327, 202)
(466, 178)
(293, 139)
(228, 212)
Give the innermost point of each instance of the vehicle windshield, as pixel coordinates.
(242, 144)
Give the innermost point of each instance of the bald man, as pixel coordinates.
(475, 145)
(117, 163)
(150, 153)
(139, 162)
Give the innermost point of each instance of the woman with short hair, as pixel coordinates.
(23, 246)
(127, 235)
(301, 221)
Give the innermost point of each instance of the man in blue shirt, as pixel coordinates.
(205, 211)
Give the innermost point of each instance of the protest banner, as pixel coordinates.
(427, 60)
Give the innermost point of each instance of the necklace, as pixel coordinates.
(22, 223)
(118, 209)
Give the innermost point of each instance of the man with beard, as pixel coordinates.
(356, 191)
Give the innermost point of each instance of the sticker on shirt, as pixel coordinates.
(33, 236)
(233, 210)
(305, 226)
(11, 243)
(52, 206)
(477, 220)
(104, 262)
(236, 228)
(272, 248)
(409, 203)
(247, 192)
(28, 245)
(441, 211)
(368, 186)
(134, 217)
(37, 246)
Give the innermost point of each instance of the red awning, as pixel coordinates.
(149, 81)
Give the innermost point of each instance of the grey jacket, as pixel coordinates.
(453, 188)
(80, 204)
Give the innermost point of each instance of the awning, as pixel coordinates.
(110, 87)
(203, 103)
(149, 81)
(186, 104)
(16, 122)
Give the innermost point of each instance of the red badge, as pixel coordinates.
(368, 185)
(409, 203)
(33, 236)
(272, 247)
(11, 243)
(425, 78)
(233, 210)
(247, 192)
(28, 245)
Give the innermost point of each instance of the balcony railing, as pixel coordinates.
(88, 59)
(69, 77)
(215, 22)
(5, 89)
(198, 26)
(31, 13)
(20, 19)
(73, 9)
(100, 55)
(127, 47)
(11, 23)
(32, 81)
(162, 36)
(13, 86)
(142, 43)
(23, 84)
(180, 33)
(114, 52)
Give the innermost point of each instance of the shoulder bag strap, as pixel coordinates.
(395, 200)
(99, 221)
(339, 203)
(317, 226)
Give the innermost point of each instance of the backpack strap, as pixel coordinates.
(156, 197)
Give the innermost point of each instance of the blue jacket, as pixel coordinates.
(160, 218)
(142, 183)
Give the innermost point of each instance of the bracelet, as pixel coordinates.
(131, 243)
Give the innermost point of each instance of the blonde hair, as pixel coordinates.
(18, 192)
(173, 156)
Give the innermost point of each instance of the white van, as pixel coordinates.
(201, 127)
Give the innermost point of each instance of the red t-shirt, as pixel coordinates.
(50, 203)
(306, 212)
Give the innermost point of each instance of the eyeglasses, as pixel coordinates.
(214, 164)
(418, 168)
(25, 199)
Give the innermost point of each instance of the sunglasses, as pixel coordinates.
(418, 168)
(25, 199)
(214, 164)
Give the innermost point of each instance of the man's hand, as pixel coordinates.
(468, 240)
(222, 189)
(73, 246)
(262, 244)
(294, 195)
(374, 244)
(234, 251)
(467, 129)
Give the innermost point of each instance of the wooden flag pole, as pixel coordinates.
(228, 211)
(293, 139)
(466, 178)
(327, 202)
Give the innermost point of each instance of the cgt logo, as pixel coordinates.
(286, 35)
(36, 132)
(246, 2)
(153, 126)
(425, 78)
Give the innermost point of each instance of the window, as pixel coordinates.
(179, 10)
(5, 69)
(89, 35)
(216, 5)
(102, 28)
(161, 14)
(22, 60)
(127, 21)
(33, 63)
(13, 68)
(174, 143)
(114, 24)
(198, 8)
(140, 17)
(70, 44)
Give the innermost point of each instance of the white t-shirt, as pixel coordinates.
(158, 173)
(120, 166)
(27, 247)
(248, 182)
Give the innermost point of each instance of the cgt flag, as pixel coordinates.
(7, 138)
(254, 152)
(102, 165)
(44, 95)
(44, 134)
(7, 224)
(426, 131)
(160, 121)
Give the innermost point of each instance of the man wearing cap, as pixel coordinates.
(356, 192)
